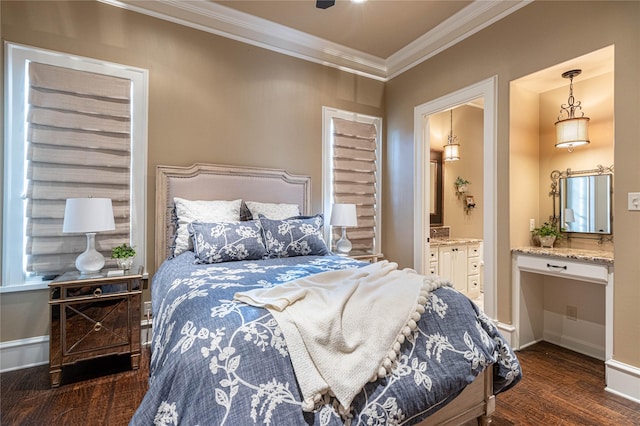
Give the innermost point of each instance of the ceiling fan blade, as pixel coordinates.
(324, 4)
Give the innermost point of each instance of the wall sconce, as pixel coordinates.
(452, 148)
(572, 131)
(469, 202)
(344, 215)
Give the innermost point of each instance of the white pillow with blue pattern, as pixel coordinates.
(295, 236)
(227, 241)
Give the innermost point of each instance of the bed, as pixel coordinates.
(218, 360)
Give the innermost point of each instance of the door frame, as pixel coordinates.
(486, 89)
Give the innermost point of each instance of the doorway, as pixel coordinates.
(485, 90)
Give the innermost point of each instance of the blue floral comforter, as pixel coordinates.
(216, 361)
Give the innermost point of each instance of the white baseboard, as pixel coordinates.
(24, 353)
(34, 351)
(591, 349)
(508, 331)
(623, 380)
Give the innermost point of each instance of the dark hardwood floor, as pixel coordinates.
(559, 387)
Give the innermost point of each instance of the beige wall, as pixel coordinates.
(533, 38)
(596, 95)
(468, 127)
(211, 99)
(216, 100)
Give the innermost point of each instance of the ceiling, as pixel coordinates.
(378, 38)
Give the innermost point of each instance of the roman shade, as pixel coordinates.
(354, 179)
(78, 145)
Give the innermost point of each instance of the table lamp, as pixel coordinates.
(88, 215)
(343, 215)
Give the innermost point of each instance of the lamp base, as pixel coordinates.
(343, 246)
(90, 261)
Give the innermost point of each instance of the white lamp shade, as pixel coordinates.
(344, 215)
(569, 216)
(572, 132)
(451, 152)
(88, 215)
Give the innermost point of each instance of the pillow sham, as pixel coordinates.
(295, 236)
(188, 211)
(227, 241)
(272, 210)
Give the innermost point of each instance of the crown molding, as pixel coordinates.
(473, 18)
(230, 23)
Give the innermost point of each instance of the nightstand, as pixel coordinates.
(94, 316)
(369, 257)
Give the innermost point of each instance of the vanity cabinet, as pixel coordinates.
(452, 264)
(459, 263)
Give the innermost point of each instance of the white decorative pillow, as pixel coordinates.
(188, 211)
(272, 210)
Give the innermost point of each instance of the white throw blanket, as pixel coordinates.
(344, 328)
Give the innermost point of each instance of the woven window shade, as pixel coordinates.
(78, 145)
(354, 179)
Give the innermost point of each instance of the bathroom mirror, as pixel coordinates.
(584, 200)
(435, 177)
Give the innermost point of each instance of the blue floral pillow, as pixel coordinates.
(227, 241)
(296, 236)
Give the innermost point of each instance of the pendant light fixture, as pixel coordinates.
(452, 148)
(571, 131)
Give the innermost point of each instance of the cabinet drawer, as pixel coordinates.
(564, 268)
(433, 268)
(84, 291)
(473, 265)
(473, 250)
(433, 255)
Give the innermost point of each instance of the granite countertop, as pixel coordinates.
(568, 253)
(453, 241)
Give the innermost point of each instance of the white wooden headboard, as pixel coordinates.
(219, 182)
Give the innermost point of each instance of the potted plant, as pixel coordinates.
(547, 234)
(461, 184)
(123, 255)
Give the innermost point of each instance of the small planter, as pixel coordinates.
(547, 241)
(125, 263)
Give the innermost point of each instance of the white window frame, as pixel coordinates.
(17, 58)
(328, 114)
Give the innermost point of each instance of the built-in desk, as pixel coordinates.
(548, 283)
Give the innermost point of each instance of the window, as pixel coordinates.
(352, 174)
(76, 127)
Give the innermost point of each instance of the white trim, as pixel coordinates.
(473, 18)
(623, 380)
(486, 89)
(16, 60)
(328, 114)
(24, 353)
(508, 331)
(230, 23)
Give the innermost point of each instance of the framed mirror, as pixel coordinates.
(435, 177)
(584, 200)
